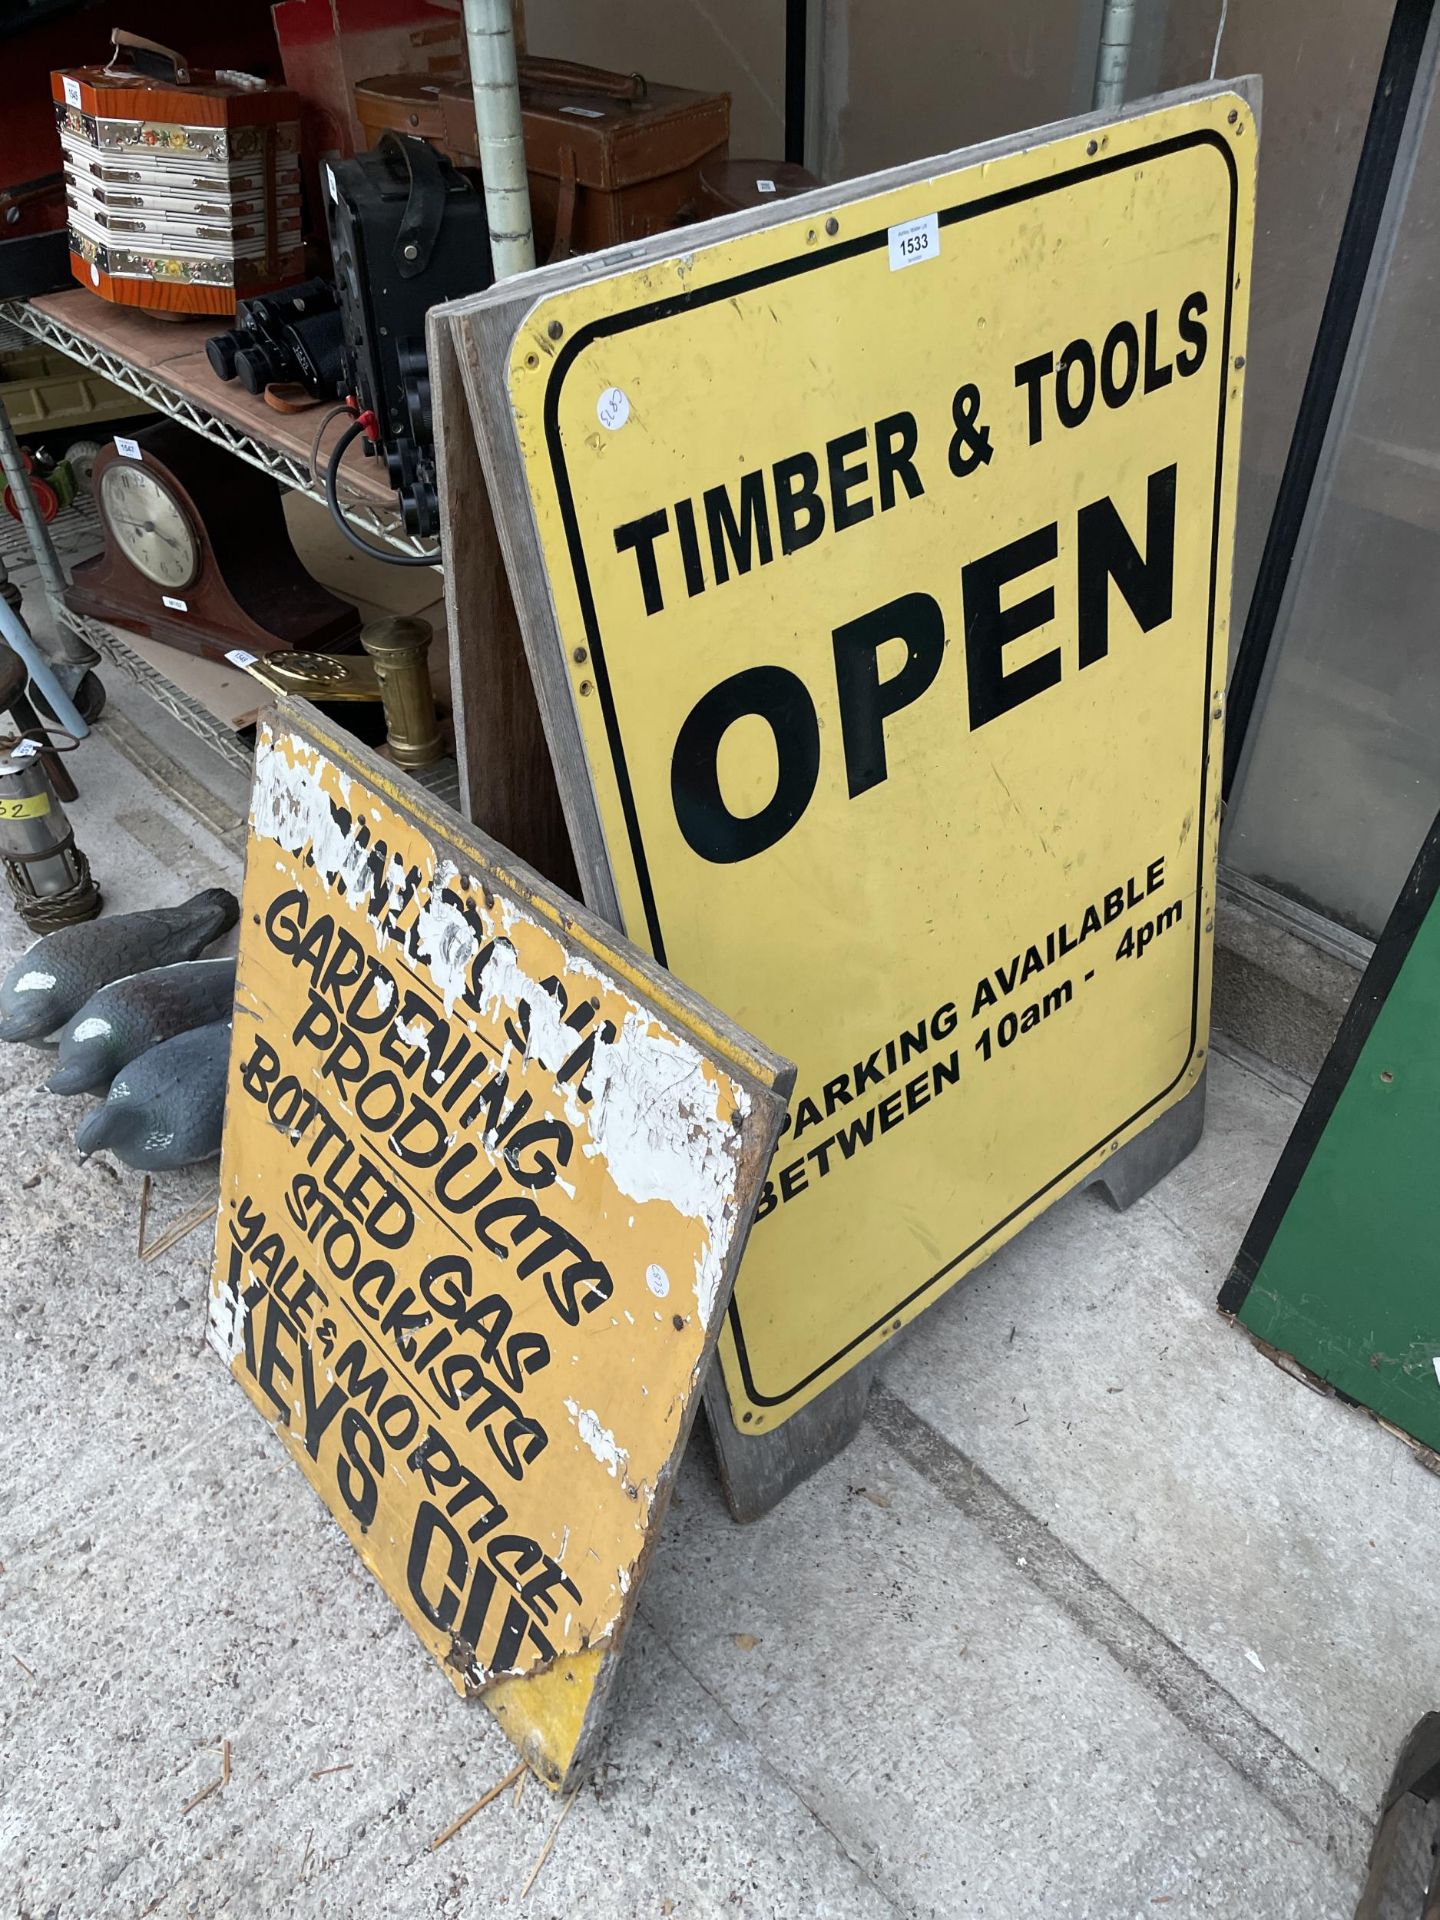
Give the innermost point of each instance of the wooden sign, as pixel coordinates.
(486, 1177)
(1338, 1268)
(873, 558)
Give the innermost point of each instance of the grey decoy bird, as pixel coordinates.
(167, 1108)
(55, 978)
(127, 1018)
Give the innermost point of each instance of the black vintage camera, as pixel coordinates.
(296, 335)
(407, 230)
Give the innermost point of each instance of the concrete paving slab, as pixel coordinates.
(218, 1601)
(1211, 1196)
(77, 1306)
(167, 1581)
(979, 1751)
(1275, 1535)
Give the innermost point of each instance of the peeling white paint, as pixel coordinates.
(599, 1439)
(503, 986)
(225, 1325)
(289, 806)
(452, 944)
(656, 1118)
(654, 1113)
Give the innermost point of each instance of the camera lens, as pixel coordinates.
(415, 381)
(420, 507)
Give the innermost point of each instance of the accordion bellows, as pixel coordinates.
(182, 194)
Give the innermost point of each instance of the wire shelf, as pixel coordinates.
(442, 779)
(231, 746)
(152, 391)
(81, 534)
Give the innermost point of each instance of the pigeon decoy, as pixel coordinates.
(127, 1018)
(167, 1108)
(59, 973)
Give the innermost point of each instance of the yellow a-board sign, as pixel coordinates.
(485, 1179)
(888, 550)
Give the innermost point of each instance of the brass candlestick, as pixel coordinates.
(395, 672)
(400, 650)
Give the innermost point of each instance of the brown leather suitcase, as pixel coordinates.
(402, 103)
(730, 186)
(609, 156)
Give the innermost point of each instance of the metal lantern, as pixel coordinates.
(49, 877)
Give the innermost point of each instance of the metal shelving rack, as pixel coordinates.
(110, 643)
(152, 390)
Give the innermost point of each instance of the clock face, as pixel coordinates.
(148, 525)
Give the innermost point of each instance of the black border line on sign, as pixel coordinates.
(1392, 950)
(788, 269)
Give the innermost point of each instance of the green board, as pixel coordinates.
(1340, 1267)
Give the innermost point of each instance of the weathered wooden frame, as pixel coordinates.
(532, 1705)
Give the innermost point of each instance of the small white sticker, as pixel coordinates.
(764, 186)
(658, 1281)
(1434, 1363)
(94, 274)
(584, 113)
(72, 92)
(128, 449)
(330, 184)
(238, 657)
(177, 606)
(916, 240)
(27, 750)
(612, 409)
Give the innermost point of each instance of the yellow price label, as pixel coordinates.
(26, 806)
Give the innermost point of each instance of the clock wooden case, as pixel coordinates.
(198, 555)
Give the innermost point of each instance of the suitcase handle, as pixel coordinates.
(149, 57)
(570, 76)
